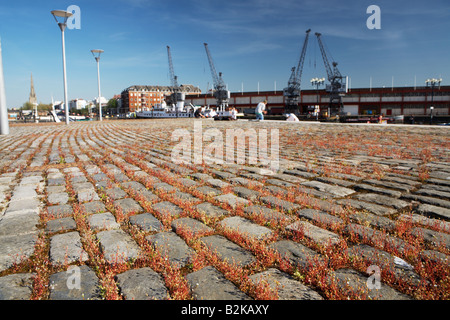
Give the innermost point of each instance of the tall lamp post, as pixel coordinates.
(316, 82)
(4, 124)
(96, 53)
(432, 83)
(63, 16)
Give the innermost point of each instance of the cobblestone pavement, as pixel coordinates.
(100, 211)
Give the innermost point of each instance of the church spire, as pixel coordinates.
(32, 98)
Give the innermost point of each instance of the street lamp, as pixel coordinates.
(432, 83)
(317, 82)
(63, 16)
(96, 53)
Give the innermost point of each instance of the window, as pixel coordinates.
(413, 106)
(441, 93)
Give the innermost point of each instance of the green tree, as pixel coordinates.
(44, 107)
(112, 104)
(27, 106)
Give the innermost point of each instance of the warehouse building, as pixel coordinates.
(365, 101)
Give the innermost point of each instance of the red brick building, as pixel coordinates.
(146, 97)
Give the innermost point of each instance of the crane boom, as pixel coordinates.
(218, 81)
(173, 77)
(298, 76)
(176, 99)
(338, 83)
(292, 92)
(220, 89)
(324, 57)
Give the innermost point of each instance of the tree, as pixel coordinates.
(44, 107)
(28, 106)
(112, 104)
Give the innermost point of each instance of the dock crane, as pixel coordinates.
(338, 83)
(293, 90)
(221, 93)
(177, 98)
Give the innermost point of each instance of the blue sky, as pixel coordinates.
(252, 42)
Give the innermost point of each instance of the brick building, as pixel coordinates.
(146, 97)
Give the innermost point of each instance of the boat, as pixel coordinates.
(161, 111)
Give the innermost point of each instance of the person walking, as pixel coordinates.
(260, 110)
(233, 114)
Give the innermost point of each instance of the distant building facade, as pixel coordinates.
(136, 98)
(77, 104)
(103, 100)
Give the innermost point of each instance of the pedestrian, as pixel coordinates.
(212, 113)
(199, 113)
(411, 119)
(260, 110)
(380, 118)
(233, 114)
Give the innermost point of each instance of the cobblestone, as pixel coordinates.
(58, 225)
(296, 253)
(280, 204)
(118, 246)
(104, 197)
(246, 227)
(88, 289)
(232, 200)
(17, 286)
(228, 251)
(349, 279)
(318, 235)
(146, 221)
(142, 284)
(286, 287)
(103, 221)
(193, 225)
(210, 284)
(66, 248)
(211, 210)
(171, 246)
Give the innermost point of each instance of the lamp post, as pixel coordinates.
(96, 53)
(317, 82)
(432, 83)
(63, 16)
(4, 124)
